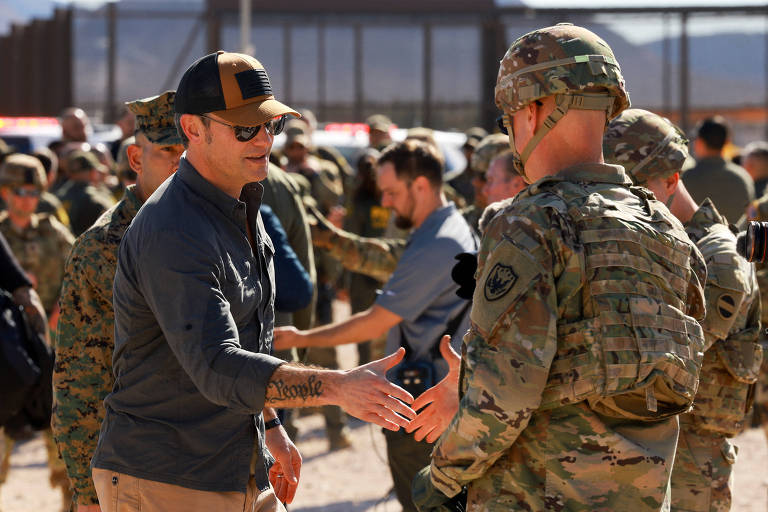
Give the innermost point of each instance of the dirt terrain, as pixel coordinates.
(353, 480)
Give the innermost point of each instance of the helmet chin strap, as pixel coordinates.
(563, 102)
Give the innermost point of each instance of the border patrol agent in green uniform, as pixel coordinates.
(653, 152)
(85, 338)
(41, 244)
(561, 408)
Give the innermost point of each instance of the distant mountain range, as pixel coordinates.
(727, 69)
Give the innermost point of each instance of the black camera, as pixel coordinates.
(752, 243)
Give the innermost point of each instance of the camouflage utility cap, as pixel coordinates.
(154, 118)
(487, 149)
(646, 144)
(81, 161)
(18, 169)
(379, 122)
(558, 60)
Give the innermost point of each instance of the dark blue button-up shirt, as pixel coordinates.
(194, 316)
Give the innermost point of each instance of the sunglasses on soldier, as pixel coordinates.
(245, 133)
(26, 192)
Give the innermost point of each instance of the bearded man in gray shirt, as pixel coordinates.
(194, 317)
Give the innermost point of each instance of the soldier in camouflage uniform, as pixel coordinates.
(38, 240)
(653, 151)
(41, 244)
(85, 338)
(487, 149)
(583, 345)
(83, 201)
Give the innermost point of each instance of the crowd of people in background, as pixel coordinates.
(341, 230)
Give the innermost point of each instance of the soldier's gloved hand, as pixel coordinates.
(428, 498)
(463, 274)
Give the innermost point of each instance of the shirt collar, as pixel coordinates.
(226, 204)
(132, 201)
(595, 173)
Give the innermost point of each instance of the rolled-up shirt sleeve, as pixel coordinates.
(182, 280)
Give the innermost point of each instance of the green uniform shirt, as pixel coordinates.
(41, 249)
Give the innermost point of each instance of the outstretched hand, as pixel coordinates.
(440, 402)
(286, 338)
(368, 395)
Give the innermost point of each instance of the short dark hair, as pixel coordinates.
(714, 132)
(413, 158)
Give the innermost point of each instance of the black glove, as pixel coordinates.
(463, 274)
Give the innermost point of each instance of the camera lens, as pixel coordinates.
(753, 243)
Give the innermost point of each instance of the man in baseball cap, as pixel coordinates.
(85, 337)
(194, 314)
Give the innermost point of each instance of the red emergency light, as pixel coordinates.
(27, 122)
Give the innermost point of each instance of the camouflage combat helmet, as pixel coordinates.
(154, 118)
(567, 62)
(647, 145)
(18, 169)
(487, 149)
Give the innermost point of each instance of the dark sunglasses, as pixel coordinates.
(245, 133)
(25, 192)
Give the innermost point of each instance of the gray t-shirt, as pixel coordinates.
(422, 291)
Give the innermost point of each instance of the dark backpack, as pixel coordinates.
(26, 370)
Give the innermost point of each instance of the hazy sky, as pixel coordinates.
(638, 30)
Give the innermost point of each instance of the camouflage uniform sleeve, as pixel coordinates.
(83, 371)
(374, 257)
(727, 288)
(508, 351)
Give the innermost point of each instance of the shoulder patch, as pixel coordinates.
(726, 306)
(500, 280)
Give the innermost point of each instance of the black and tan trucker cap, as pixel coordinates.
(233, 86)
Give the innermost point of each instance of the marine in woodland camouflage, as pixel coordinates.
(85, 337)
(84, 342)
(650, 147)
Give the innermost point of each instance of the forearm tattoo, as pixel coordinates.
(278, 391)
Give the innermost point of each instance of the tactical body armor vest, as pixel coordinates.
(732, 364)
(627, 342)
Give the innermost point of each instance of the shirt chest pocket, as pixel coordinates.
(241, 288)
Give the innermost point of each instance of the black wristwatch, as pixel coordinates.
(272, 423)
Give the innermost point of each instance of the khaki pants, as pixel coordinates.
(119, 492)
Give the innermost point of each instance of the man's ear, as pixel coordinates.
(192, 126)
(134, 152)
(671, 183)
(422, 185)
